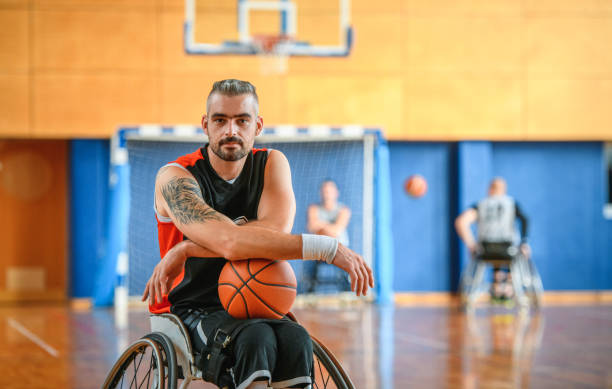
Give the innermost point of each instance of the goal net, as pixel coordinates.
(353, 157)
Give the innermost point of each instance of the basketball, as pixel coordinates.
(415, 185)
(257, 288)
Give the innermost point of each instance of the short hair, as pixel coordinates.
(498, 179)
(233, 87)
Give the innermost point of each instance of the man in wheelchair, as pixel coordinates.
(229, 201)
(495, 216)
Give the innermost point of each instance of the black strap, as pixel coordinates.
(217, 354)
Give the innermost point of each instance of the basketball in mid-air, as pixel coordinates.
(257, 288)
(415, 185)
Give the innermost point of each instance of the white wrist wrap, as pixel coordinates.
(319, 247)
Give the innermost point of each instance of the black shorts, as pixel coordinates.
(276, 351)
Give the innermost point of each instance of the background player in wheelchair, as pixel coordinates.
(495, 216)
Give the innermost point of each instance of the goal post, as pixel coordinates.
(356, 158)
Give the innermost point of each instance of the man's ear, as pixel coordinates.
(259, 125)
(205, 124)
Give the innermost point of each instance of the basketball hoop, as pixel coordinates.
(272, 52)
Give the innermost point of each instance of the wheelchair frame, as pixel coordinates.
(526, 280)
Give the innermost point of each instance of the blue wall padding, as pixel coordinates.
(89, 162)
(384, 235)
(605, 260)
(117, 231)
(421, 231)
(474, 172)
(561, 188)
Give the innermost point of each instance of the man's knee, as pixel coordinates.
(292, 337)
(258, 385)
(256, 337)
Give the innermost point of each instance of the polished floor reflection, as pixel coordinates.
(380, 347)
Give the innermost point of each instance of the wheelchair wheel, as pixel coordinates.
(328, 373)
(140, 366)
(168, 355)
(536, 287)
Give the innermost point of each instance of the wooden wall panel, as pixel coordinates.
(569, 47)
(569, 109)
(99, 5)
(15, 103)
(365, 7)
(463, 8)
(319, 28)
(23, 4)
(106, 39)
(563, 7)
(475, 68)
(201, 5)
(345, 100)
(448, 107)
(14, 39)
(377, 49)
(473, 45)
(184, 98)
(93, 105)
(33, 236)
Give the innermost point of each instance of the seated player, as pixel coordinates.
(495, 216)
(330, 218)
(228, 201)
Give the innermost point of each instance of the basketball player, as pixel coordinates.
(329, 218)
(495, 216)
(229, 201)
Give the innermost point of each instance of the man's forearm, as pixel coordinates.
(242, 242)
(270, 224)
(192, 249)
(252, 241)
(465, 234)
(329, 230)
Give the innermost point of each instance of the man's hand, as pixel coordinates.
(473, 247)
(525, 250)
(359, 271)
(164, 274)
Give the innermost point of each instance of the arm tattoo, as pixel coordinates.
(185, 200)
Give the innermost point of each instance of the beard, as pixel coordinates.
(231, 155)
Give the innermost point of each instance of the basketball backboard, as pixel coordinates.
(308, 28)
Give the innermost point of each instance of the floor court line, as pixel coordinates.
(35, 339)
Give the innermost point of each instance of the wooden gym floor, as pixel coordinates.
(54, 346)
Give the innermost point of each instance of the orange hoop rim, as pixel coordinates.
(267, 43)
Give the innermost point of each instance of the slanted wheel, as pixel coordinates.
(535, 289)
(168, 355)
(328, 373)
(143, 365)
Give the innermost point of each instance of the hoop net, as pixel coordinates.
(272, 51)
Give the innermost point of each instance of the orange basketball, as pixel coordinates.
(415, 185)
(257, 288)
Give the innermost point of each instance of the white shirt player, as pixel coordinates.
(496, 217)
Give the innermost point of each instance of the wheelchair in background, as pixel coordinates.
(159, 359)
(526, 280)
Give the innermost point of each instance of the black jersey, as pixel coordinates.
(196, 287)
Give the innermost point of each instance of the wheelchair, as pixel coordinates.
(159, 359)
(526, 280)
